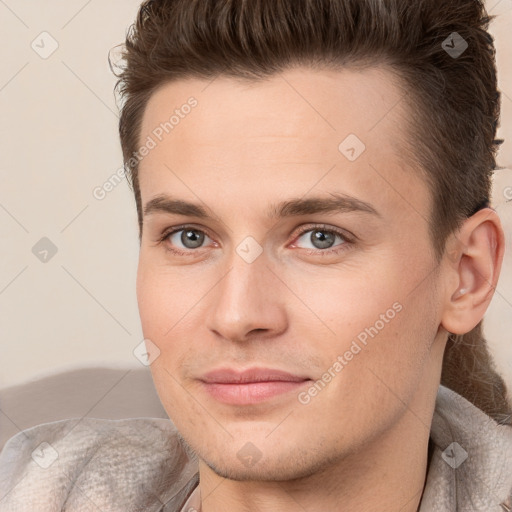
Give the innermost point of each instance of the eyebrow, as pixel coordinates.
(336, 203)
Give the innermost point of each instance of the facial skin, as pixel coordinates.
(360, 443)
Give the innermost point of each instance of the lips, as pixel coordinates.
(250, 386)
(230, 376)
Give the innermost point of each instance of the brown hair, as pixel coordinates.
(454, 102)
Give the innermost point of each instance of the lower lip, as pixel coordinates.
(251, 392)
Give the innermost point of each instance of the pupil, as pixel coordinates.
(193, 238)
(323, 238)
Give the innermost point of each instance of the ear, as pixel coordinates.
(474, 255)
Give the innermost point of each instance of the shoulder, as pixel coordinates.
(93, 463)
(457, 419)
(471, 467)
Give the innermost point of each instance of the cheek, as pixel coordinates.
(387, 308)
(160, 310)
(162, 294)
(149, 298)
(345, 300)
(169, 304)
(159, 301)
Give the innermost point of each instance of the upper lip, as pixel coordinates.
(232, 376)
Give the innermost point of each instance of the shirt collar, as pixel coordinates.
(471, 467)
(193, 504)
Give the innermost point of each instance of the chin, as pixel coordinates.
(283, 467)
(268, 472)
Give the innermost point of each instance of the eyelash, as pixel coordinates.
(310, 252)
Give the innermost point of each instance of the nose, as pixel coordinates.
(247, 302)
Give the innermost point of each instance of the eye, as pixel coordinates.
(186, 240)
(322, 239)
(184, 237)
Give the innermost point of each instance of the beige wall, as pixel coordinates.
(59, 141)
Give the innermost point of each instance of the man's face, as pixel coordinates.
(345, 301)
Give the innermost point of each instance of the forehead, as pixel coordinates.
(297, 102)
(289, 130)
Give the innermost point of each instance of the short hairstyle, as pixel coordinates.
(452, 100)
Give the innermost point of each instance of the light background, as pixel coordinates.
(59, 142)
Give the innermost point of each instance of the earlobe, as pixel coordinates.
(476, 265)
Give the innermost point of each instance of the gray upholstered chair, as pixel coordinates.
(92, 392)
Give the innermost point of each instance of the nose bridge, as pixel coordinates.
(246, 297)
(246, 283)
